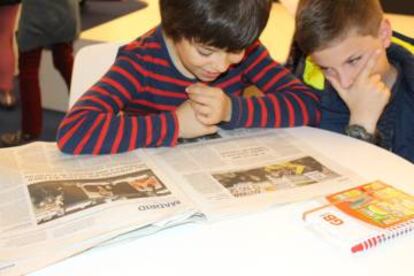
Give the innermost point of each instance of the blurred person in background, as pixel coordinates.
(8, 13)
(44, 24)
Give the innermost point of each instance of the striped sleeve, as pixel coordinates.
(96, 124)
(286, 101)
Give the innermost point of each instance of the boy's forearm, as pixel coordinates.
(285, 109)
(92, 132)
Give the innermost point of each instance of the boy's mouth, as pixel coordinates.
(211, 75)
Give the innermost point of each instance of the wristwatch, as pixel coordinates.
(359, 132)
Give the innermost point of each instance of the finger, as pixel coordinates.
(205, 120)
(195, 105)
(375, 78)
(202, 109)
(369, 66)
(199, 98)
(212, 129)
(197, 88)
(203, 90)
(206, 101)
(380, 85)
(337, 86)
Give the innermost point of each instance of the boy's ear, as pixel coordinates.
(385, 32)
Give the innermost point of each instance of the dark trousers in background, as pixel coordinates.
(30, 94)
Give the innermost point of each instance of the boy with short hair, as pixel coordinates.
(185, 79)
(371, 91)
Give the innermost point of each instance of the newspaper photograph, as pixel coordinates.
(54, 199)
(300, 172)
(250, 170)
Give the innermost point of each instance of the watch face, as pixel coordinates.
(359, 132)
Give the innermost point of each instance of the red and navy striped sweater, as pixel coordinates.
(134, 104)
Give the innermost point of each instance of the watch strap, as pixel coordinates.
(359, 132)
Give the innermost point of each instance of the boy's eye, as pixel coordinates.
(328, 71)
(325, 70)
(354, 61)
(204, 52)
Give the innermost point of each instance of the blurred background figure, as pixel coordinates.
(8, 13)
(44, 24)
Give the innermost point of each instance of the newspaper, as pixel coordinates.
(55, 205)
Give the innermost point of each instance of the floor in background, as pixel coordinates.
(94, 13)
(10, 120)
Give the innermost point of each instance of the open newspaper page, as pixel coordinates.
(54, 205)
(243, 171)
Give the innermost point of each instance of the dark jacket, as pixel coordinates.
(47, 22)
(396, 124)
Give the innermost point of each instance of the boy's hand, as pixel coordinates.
(367, 97)
(210, 104)
(189, 125)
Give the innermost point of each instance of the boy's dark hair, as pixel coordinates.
(321, 22)
(231, 25)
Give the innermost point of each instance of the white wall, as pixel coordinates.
(55, 95)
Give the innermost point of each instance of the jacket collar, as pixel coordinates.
(405, 60)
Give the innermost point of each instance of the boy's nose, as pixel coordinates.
(222, 64)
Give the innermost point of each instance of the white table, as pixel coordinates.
(272, 242)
